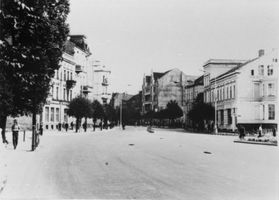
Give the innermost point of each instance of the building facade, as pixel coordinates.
(72, 79)
(160, 88)
(191, 92)
(101, 77)
(246, 94)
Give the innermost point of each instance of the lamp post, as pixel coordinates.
(121, 109)
(215, 107)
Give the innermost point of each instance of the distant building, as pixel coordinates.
(117, 99)
(191, 92)
(160, 88)
(101, 78)
(246, 93)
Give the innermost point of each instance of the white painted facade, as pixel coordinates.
(73, 78)
(101, 77)
(246, 94)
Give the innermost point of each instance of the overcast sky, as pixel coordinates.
(133, 37)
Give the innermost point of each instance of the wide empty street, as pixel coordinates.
(135, 164)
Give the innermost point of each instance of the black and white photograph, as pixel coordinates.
(139, 99)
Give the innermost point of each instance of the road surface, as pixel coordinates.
(134, 164)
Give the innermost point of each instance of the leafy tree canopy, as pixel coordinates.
(173, 110)
(80, 107)
(98, 111)
(32, 38)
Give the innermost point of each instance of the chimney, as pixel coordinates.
(261, 52)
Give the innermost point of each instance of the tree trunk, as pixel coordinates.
(77, 124)
(33, 129)
(3, 121)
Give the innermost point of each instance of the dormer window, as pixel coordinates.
(252, 72)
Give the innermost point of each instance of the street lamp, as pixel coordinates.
(215, 107)
(121, 108)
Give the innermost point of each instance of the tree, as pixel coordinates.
(32, 38)
(201, 111)
(110, 113)
(79, 107)
(98, 111)
(173, 111)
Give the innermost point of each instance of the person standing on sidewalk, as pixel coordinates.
(15, 130)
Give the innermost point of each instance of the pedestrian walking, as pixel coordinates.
(4, 140)
(72, 125)
(41, 129)
(66, 126)
(101, 125)
(84, 125)
(260, 131)
(274, 132)
(15, 130)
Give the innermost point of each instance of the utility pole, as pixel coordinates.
(215, 106)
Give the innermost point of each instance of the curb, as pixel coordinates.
(253, 142)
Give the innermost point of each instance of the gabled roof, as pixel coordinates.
(158, 75)
(199, 81)
(236, 68)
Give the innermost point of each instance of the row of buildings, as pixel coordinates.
(241, 91)
(78, 75)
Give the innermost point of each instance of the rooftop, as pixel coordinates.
(223, 61)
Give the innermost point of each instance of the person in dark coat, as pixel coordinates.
(15, 130)
(84, 125)
(274, 132)
(72, 125)
(66, 126)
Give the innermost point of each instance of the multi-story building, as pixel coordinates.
(160, 88)
(118, 98)
(101, 77)
(191, 92)
(245, 94)
(73, 78)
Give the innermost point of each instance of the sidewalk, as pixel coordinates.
(7, 153)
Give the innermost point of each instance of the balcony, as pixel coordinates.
(105, 83)
(147, 90)
(70, 84)
(86, 89)
(79, 69)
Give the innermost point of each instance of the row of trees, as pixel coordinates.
(32, 38)
(200, 115)
(81, 107)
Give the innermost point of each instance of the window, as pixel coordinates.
(261, 70)
(68, 75)
(271, 91)
(271, 111)
(64, 75)
(230, 92)
(229, 116)
(227, 92)
(64, 94)
(269, 70)
(52, 114)
(233, 91)
(57, 92)
(47, 114)
(71, 76)
(57, 74)
(252, 72)
(57, 114)
(70, 95)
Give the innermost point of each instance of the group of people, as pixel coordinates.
(242, 132)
